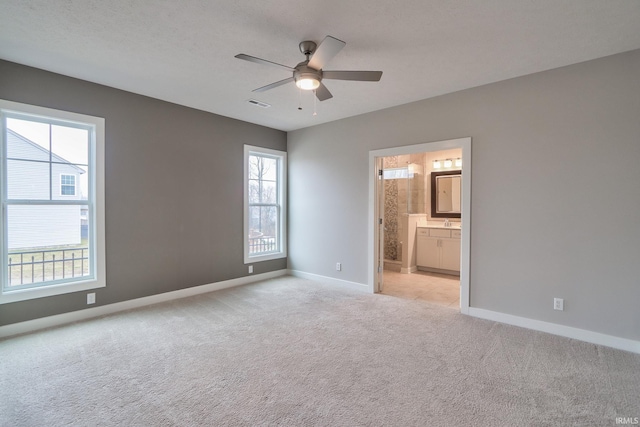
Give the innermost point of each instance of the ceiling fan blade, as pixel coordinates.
(363, 76)
(262, 61)
(329, 48)
(323, 93)
(272, 85)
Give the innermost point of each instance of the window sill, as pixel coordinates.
(48, 291)
(266, 257)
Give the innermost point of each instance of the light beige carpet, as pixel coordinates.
(293, 352)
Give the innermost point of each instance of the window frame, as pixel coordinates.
(96, 205)
(281, 203)
(68, 185)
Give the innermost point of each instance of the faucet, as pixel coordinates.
(447, 223)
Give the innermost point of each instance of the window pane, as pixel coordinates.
(27, 180)
(70, 145)
(269, 169)
(33, 173)
(47, 243)
(262, 192)
(67, 190)
(269, 192)
(254, 167)
(254, 191)
(27, 140)
(263, 168)
(263, 229)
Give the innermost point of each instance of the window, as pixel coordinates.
(265, 186)
(67, 185)
(52, 194)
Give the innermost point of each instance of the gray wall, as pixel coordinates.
(555, 191)
(173, 189)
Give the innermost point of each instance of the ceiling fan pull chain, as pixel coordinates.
(299, 99)
(315, 103)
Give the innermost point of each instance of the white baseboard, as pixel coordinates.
(561, 330)
(409, 270)
(327, 279)
(75, 316)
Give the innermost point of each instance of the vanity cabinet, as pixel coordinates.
(438, 249)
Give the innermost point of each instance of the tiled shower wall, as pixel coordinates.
(402, 196)
(391, 211)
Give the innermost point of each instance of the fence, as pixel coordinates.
(262, 244)
(49, 265)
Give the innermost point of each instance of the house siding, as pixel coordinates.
(31, 179)
(39, 226)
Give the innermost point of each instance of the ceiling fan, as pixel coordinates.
(308, 74)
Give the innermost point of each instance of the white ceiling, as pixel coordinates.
(183, 51)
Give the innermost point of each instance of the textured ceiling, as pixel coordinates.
(183, 51)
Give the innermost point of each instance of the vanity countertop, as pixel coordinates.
(437, 224)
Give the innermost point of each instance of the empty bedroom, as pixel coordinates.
(416, 213)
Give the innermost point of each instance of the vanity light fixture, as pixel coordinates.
(447, 163)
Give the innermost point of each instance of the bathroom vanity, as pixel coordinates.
(438, 249)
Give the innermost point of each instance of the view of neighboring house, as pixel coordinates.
(34, 173)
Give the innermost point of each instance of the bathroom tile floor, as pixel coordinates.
(440, 289)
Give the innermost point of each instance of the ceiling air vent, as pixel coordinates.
(259, 103)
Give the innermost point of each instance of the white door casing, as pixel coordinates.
(379, 281)
(374, 248)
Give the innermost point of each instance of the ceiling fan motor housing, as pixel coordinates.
(303, 71)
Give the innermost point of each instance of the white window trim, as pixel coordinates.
(282, 195)
(97, 219)
(68, 185)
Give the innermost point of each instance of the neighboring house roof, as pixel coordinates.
(55, 157)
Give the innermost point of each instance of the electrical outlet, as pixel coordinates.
(338, 266)
(251, 269)
(558, 304)
(91, 298)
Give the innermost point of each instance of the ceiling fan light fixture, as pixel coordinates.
(308, 83)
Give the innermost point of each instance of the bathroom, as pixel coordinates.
(408, 217)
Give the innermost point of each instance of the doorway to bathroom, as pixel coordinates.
(418, 250)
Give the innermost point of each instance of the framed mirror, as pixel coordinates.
(446, 194)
